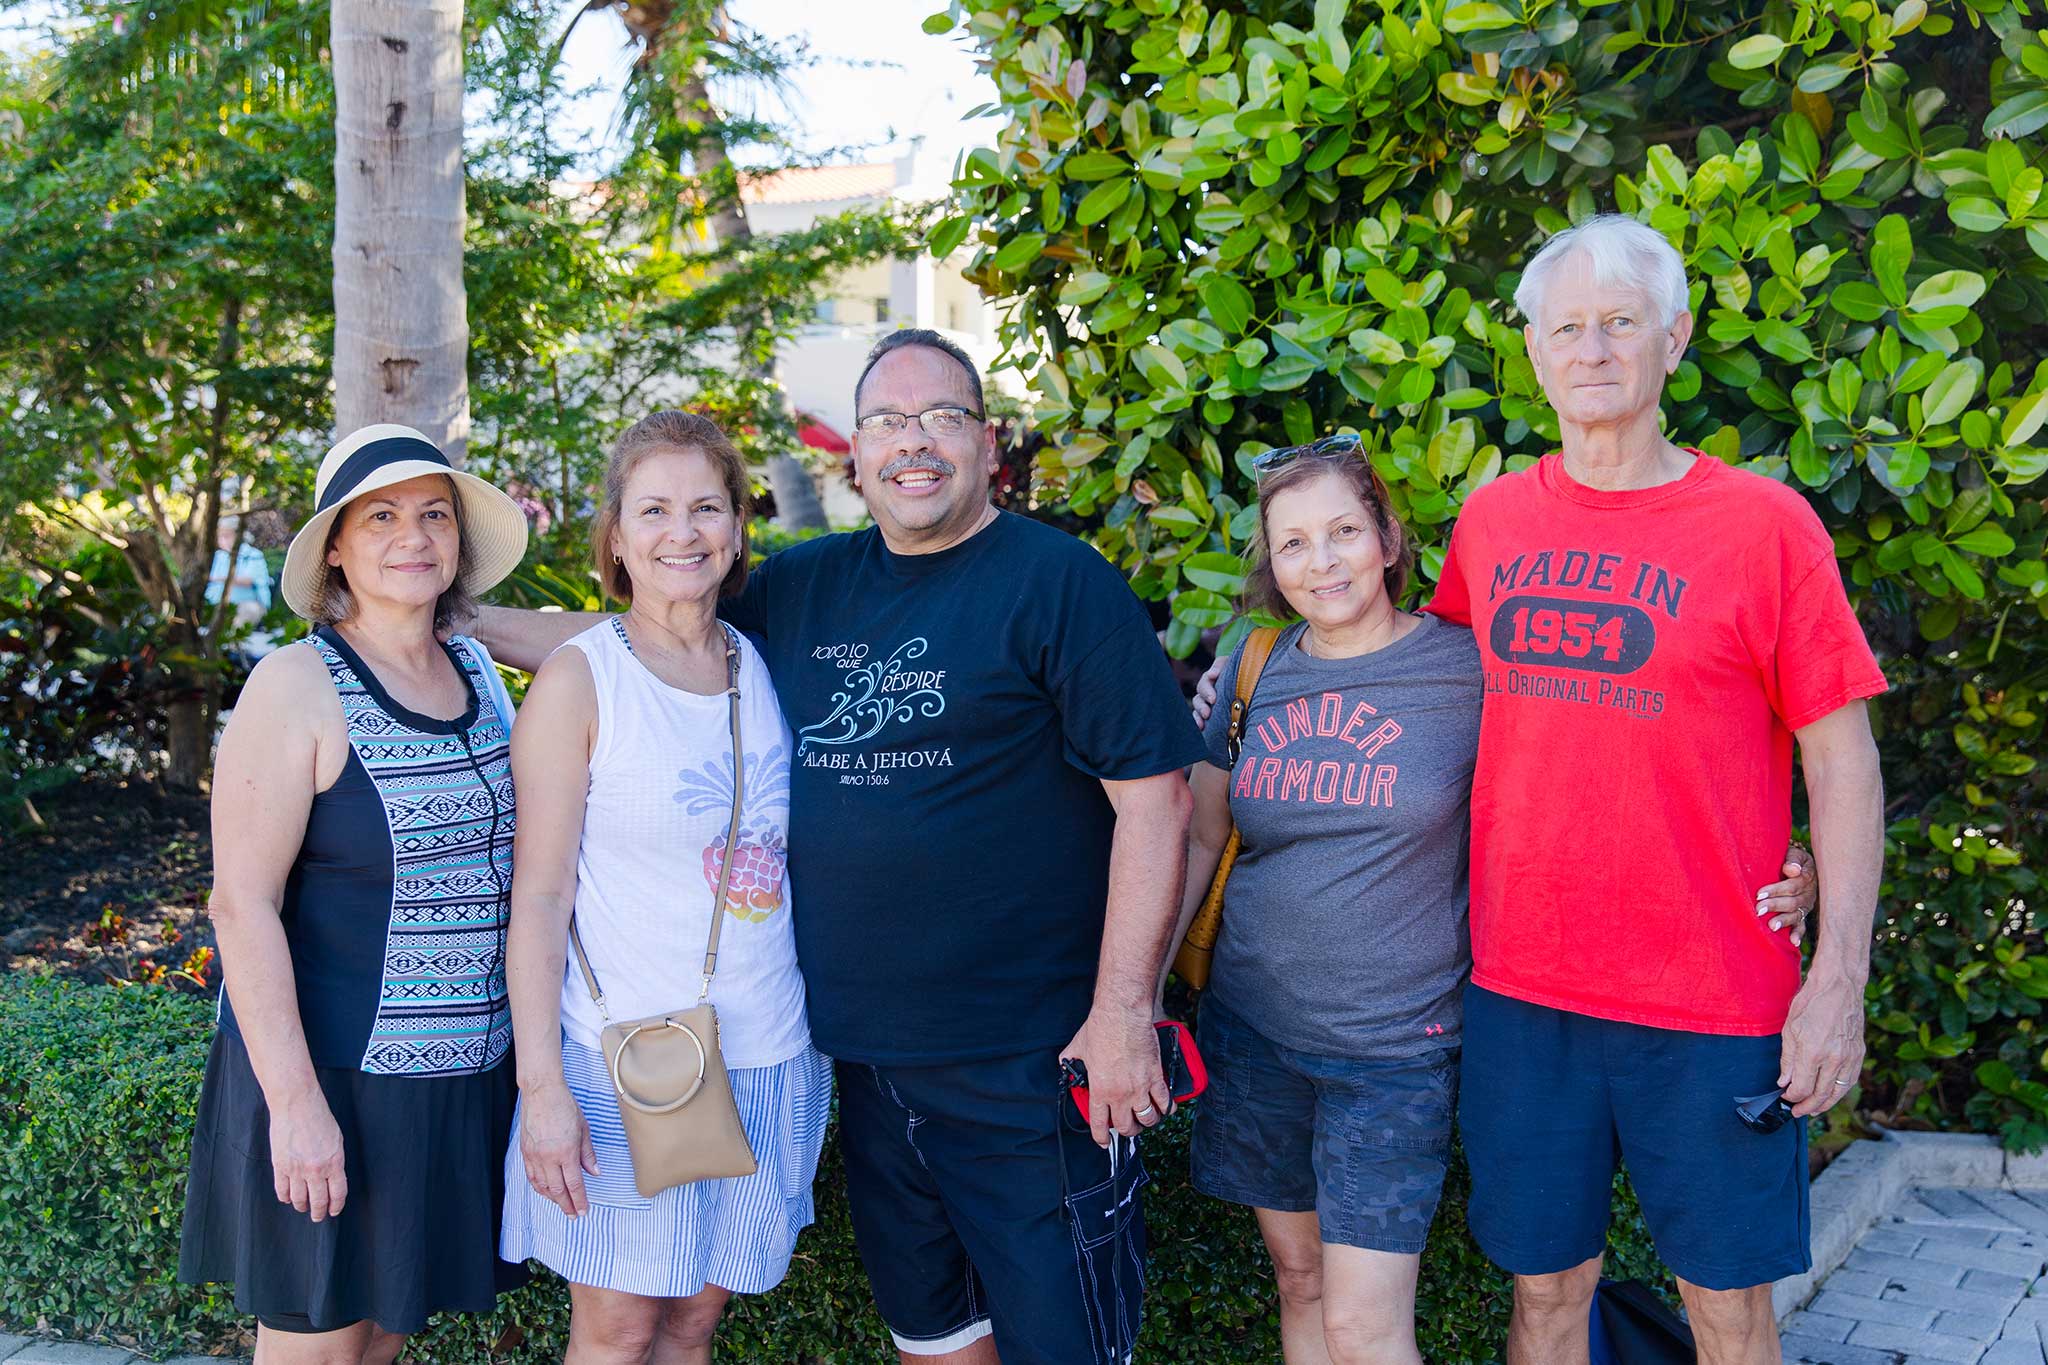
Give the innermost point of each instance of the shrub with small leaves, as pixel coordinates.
(99, 1087)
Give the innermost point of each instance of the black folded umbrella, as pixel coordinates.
(1632, 1325)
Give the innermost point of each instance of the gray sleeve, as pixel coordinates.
(1216, 733)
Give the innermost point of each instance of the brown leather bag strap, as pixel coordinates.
(589, 977)
(732, 828)
(1251, 661)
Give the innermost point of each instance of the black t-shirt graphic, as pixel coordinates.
(949, 838)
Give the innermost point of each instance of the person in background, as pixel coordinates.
(345, 1171)
(625, 754)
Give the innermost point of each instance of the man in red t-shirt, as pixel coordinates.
(1657, 629)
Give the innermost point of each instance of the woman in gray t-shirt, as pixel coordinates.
(1331, 1020)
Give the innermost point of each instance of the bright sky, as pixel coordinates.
(845, 98)
(837, 102)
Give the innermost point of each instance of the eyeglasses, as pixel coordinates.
(1342, 443)
(947, 420)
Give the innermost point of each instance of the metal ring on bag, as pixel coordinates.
(628, 1097)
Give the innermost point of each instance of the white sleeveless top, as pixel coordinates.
(654, 827)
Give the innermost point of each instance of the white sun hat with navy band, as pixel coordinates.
(493, 527)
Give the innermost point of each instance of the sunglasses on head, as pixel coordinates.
(1342, 443)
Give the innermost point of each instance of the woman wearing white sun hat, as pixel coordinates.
(345, 1167)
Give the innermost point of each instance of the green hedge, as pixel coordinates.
(99, 1086)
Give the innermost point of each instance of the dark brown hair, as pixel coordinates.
(660, 433)
(1262, 591)
(335, 603)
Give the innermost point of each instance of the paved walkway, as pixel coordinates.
(1947, 1275)
(29, 1351)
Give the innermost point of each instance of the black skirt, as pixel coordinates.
(418, 1233)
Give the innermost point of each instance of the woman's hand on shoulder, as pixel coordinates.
(554, 1144)
(1205, 691)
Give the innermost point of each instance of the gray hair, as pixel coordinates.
(1622, 252)
(932, 340)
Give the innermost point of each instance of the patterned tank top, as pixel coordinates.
(397, 905)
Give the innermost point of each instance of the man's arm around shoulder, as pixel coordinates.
(524, 638)
(1823, 1036)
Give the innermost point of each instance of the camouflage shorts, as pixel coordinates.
(1362, 1143)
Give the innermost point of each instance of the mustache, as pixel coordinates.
(903, 464)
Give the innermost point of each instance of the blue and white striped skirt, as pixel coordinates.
(735, 1233)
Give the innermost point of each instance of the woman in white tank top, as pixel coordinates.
(624, 760)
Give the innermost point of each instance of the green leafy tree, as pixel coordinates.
(690, 146)
(162, 285)
(1231, 226)
(587, 312)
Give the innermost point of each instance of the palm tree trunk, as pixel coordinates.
(401, 327)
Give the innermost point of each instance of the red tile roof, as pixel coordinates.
(816, 184)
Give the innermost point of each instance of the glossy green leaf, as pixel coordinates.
(1229, 303)
(1476, 14)
(1949, 289)
(1951, 391)
(1102, 201)
(1759, 49)
(1020, 251)
(2019, 116)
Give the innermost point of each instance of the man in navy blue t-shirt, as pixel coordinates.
(986, 851)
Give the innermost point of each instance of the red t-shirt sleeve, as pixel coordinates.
(1818, 659)
(1453, 599)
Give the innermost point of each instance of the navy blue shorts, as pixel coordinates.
(1362, 1143)
(982, 1207)
(1552, 1100)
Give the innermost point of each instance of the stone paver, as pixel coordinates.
(1933, 1345)
(1957, 1208)
(2011, 1353)
(39, 1351)
(70, 1353)
(1947, 1275)
(1813, 1351)
(2025, 1265)
(1949, 1300)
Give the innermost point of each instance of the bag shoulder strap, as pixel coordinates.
(732, 833)
(732, 828)
(1251, 661)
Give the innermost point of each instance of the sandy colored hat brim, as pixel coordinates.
(493, 527)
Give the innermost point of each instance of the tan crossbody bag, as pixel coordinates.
(674, 1096)
(1191, 963)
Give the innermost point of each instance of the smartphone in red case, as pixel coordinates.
(1179, 1060)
